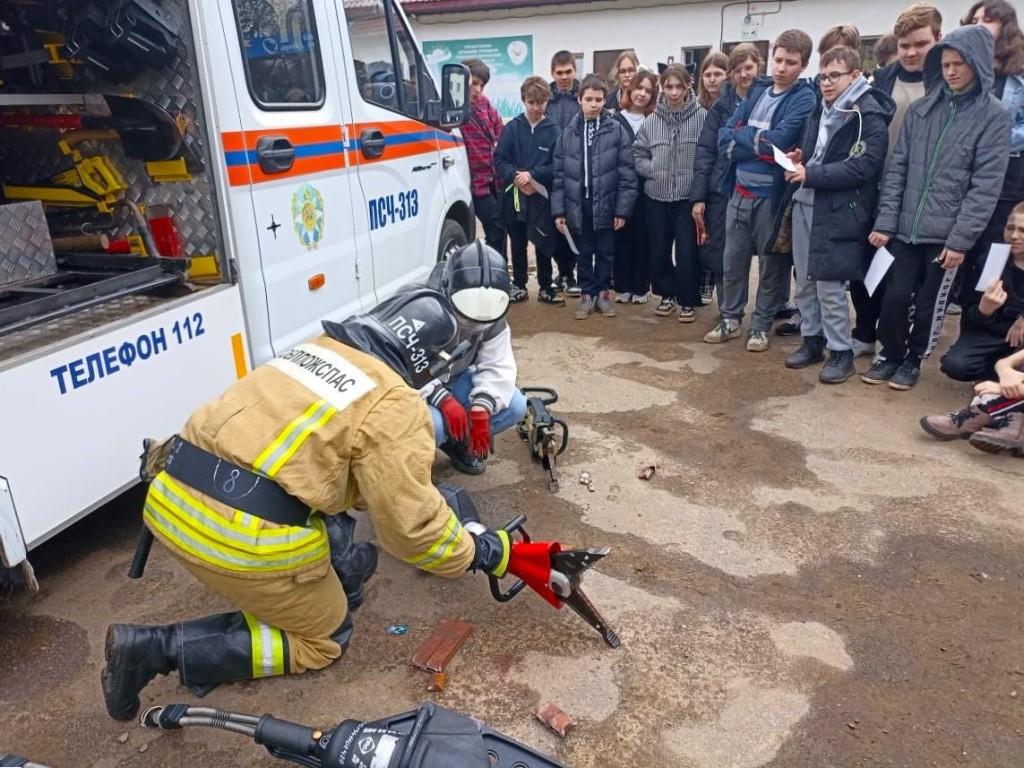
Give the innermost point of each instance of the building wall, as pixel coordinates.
(656, 33)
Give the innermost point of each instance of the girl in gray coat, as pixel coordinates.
(664, 151)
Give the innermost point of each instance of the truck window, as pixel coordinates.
(382, 47)
(283, 67)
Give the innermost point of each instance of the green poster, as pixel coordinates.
(510, 60)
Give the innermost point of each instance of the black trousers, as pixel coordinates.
(672, 223)
(632, 254)
(488, 211)
(914, 280)
(518, 235)
(867, 308)
(974, 355)
(713, 253)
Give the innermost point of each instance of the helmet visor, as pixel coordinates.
(480, 304)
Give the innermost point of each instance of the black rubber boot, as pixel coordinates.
(219, 649)
(354, 563)
(462, 459)
(810, 352)
(134, 656)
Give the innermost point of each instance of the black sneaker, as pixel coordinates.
(462, 459)
(517, 295)
(787, 312)
(906, 377)
(789, 328)
(665, 307)
(556, 286)
(838, 369)
(880, 372)
(548, 296)
(570, 287)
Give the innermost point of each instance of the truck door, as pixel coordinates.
(289, 161)
(395, 151)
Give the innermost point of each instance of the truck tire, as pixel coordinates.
(453, 237)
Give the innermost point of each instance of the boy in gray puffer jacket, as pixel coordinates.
(937, 197)
(595, 189)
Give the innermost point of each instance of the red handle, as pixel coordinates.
(41, 121)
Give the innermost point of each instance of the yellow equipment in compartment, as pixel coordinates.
(94, 182)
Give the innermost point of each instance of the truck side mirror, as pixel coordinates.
(453, 109)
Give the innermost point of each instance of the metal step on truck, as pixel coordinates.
(186, 189)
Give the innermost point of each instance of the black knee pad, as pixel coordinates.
(460, 502)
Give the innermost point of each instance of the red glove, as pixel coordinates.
(479, 433)
(531, 562)
(456, 420)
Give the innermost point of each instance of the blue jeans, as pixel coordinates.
(500, 421)
(597, 254)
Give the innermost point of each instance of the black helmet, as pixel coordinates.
(476, 282)
(414, 333)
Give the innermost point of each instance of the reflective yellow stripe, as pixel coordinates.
(442, 549)
(243, 533)
(506, 553)
(206, 535)
(292, 437)
(267, 648)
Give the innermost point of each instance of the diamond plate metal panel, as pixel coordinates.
(25, 247)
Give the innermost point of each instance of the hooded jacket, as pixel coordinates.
(945, 175)
(844, 179)
(665, 148)
(745, 144)
(709, 165)
(564, 105)
(525, 147)
(604, 169)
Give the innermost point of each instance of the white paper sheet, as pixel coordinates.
(781, 160)
(998, 255)
(572, 243)
(879, 266)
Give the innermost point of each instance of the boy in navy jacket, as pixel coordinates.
(525, 162)
(773, 115)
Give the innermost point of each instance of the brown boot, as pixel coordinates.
(1005, 435)
(956, 426)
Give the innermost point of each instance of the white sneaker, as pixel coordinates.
(640, 298)
(757, 341)
(623, 298)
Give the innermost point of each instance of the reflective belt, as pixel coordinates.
(268, 648)
(238, 544)
(441, 549)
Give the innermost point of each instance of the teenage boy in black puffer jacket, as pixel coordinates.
(594, 192)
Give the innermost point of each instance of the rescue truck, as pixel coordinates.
(188, 188)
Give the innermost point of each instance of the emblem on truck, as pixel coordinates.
(308, 215)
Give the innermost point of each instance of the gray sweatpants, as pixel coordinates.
(748, 225)
(822, 303)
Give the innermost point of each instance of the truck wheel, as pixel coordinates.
(453, 237)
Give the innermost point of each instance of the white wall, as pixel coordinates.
(656, 33)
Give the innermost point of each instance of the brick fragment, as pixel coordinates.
(438, 681)
(438, 649)
(555, 719)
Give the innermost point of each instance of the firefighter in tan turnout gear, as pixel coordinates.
(251, 497)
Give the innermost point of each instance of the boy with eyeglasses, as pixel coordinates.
(838, 163)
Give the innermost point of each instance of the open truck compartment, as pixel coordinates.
(106, 205)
